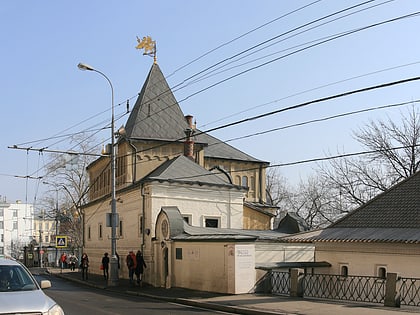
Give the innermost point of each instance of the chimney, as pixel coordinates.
(189, 142)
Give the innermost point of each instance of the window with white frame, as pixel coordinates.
(381, 272)
(212, 222)
(344, 270)
(187, 218)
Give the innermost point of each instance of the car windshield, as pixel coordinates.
(15, 278)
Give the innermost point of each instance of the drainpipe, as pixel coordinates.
(260, 184)
(143, 230)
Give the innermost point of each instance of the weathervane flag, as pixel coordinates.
(148, 45)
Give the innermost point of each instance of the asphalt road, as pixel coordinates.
(82, 300)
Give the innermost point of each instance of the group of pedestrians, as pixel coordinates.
(135, 264)
(68, 261)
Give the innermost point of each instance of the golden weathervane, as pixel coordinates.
(148, 45)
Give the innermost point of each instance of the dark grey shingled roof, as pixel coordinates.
(398, 207)
(156, 116)
(391, 217)
(181, 230)
(182, 169)
(176, 221)
(222, 150)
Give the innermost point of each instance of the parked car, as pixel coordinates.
(20, 293)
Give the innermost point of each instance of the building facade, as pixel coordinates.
(163, 160)
(16, 227)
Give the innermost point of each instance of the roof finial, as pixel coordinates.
(148, 45)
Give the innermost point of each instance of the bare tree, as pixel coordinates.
(278, 191)
(68, 180)
(396, 155)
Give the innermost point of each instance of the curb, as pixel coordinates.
(205, 305)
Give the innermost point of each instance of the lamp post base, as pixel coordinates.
(113, 279)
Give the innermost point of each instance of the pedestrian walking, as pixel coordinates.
(105, 266)
(84, 265)
(72, 262)
(63, 260)
(140, 265)
(131, 265)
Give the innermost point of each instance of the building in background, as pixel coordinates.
(16, 227)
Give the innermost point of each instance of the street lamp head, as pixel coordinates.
(83, 66)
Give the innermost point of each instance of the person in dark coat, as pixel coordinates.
(84, 265)
(105, 266)
(139, 267)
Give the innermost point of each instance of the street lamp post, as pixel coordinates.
(114, 260)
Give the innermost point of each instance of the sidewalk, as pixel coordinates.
(239, 304)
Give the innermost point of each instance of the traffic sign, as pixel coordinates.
(61, 241)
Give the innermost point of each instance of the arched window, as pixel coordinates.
(238, 180)
(344, 271)
(382, 272)
(245, 181)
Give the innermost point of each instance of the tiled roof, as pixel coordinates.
(181, 230)
(219, 149)
(195, 233)
(156, 116)
(398, 207)
(391, 217)
(182, 169)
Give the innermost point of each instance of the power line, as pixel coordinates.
(312, 22)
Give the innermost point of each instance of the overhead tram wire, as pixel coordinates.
(171, 89)
(310, 122)
(343, 34)
(311, 46)
(239, 37)
(175, 87)
(271, 39)
(310, 90)
(313, 159)
(278, 58)
(208, 75)
(289, 13)
(212, 73)
(323, 119)
(304, 104)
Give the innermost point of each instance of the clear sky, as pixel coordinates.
(213, 53)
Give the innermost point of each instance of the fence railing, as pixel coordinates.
(280, 282)
(350, 288)
(390, 291)
(409, 291)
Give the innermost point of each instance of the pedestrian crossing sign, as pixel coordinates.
(61, 241)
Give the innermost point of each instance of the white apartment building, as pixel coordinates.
(16, 227)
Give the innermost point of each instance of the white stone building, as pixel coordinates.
(16, 227)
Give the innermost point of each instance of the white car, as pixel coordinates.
(20, 293)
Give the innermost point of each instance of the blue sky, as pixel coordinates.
(43, 94)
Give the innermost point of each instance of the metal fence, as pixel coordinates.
(280, 282)
(349, 288)
(409, 291)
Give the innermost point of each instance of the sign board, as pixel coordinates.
(61, 241)
(109, 222)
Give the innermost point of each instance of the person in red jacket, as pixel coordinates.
(131, 265)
